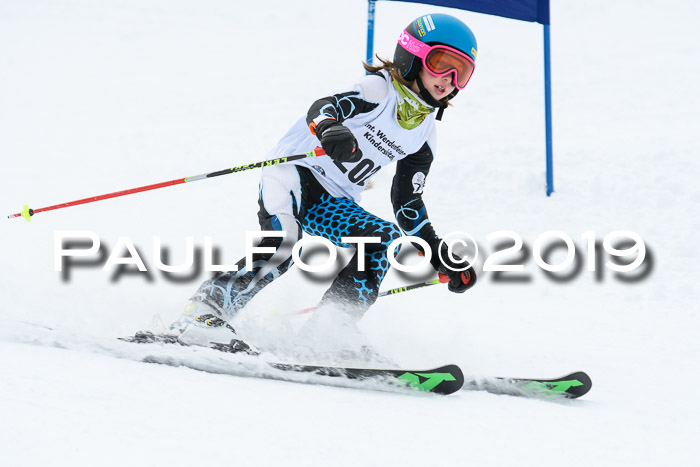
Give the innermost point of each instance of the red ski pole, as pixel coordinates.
(27, 213)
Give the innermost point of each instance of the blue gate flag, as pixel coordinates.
(536, 11)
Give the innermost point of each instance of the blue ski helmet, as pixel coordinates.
(434, 29)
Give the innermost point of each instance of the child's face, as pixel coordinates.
(438, 86)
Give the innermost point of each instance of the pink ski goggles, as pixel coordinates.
(440, 60)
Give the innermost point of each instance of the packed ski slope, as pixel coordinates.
(103, 96)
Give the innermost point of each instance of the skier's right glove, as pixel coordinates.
(458, 279)
(337, 141)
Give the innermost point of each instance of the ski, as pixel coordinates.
(145, 337)
(570, 386)
(442, 380)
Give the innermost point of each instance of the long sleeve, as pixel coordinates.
(363, 98)
(407, 191)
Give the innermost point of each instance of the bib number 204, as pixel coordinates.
(361, 172)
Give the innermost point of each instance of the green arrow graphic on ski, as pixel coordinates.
(555, 386)
(431, 379)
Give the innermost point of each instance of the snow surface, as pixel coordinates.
(102, 96)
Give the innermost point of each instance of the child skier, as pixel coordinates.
(388, 116)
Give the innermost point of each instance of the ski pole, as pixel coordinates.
(405, 288)
(27, 213)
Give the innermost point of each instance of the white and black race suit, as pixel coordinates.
(320, 196)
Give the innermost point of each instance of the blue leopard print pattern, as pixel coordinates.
(334, 218)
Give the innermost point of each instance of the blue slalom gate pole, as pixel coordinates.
(371, 4)
(548, 110)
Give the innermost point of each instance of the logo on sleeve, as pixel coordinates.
(418, 182)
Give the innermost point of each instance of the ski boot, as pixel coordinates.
(202, 325)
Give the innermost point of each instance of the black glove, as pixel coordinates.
(457, 281)
(338, 141)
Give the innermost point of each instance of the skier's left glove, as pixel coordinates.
(458, 279)
(337, 140)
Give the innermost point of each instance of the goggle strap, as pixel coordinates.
(413, 45)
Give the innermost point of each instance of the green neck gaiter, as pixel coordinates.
(410, 112)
